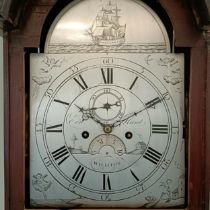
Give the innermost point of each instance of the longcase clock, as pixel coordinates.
(115, 94)
(107, 111)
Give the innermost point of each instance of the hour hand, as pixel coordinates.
(87, 114)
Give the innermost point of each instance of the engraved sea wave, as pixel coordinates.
(125, 48)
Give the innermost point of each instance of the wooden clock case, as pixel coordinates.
(27, 33)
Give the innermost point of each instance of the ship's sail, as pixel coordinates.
(98, 31)
(106, 29)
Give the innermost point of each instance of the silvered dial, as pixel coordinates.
(108, 129)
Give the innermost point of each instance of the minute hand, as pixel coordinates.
(148, 105)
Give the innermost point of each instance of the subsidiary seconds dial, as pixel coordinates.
(107, 129)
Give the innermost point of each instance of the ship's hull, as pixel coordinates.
(109, 42)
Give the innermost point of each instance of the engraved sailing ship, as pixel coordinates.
(106, 29)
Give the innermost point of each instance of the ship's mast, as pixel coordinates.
(116, 11)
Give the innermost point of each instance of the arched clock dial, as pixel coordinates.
(107, 129)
